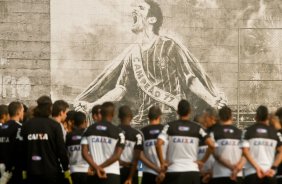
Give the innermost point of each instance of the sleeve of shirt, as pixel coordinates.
(139, 142)
(124, 75)
(84, 138)
(23, 134)
(203, 135)
(279, 139)
(62, 151)
(164, 133)
(245, 140)
(121, 140)
(211, 134)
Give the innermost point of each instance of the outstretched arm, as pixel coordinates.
(113, 95)
(197, 88)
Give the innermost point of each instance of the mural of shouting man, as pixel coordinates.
(156, 70)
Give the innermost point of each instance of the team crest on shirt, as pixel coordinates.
(76, 138)
(153, 132)
(227, 130)
(102, 128)
(261, 131)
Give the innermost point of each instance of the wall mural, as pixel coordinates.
(147, 52)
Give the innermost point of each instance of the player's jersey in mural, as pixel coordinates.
(262, 140)
(183, 143)
(162, 67)
(158, 75)
(227, 139)
(102, 139)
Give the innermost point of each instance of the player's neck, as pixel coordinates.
(148, 38)
(264, 122)
(228, 122)
(58, 119)
(126, 123)
(184, 118)
(107, 119)
(154, 122)
(15, 118)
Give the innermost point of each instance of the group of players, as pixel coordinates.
(41, 150)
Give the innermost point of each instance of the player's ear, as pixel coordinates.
(152, 20)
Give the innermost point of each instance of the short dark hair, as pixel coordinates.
(279, 114)
(262, 113)
(79, 118)
(107, 109)
(44, 107)
(3, 111)
(58, 107)
(124, 112)
(70, 115)
(155, 11)
(211, 112)
(96, 110)
(184, 108)
(225, 113)
(14, 108)
(154, 112)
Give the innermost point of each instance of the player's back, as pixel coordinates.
(133, 140)
(73, 140)
(43, 139)
(262, 141)
(151, 133)
(102, 139)
(183, 143)
(227, 139)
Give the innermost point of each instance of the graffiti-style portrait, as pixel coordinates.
(156, 70)
(151, 52)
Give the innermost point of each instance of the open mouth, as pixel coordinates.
(134, 16)
(134, 19)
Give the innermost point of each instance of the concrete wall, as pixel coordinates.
(24, 49)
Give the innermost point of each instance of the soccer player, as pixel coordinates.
(276, 121)
(16, 113)
(102, 145)
(78, 166)
(4, 140)
(183, 138)
(45, 152)
(210, 118)
(260, 142)
(133, 146)
(4, 114)
(149, 155)
(59, 114)
(96, 113)
(227, 154)
(206, 169)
